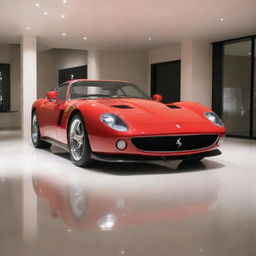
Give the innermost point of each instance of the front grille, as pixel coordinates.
(175, 143)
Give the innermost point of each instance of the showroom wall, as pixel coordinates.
(51, 61)
(10, 54)
(196, 72)
(128, 65)
(196, 68)
(164, 54)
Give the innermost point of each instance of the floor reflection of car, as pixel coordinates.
(86, 205)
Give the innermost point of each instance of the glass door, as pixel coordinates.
(254, 89)
(236, 88)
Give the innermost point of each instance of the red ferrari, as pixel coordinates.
(116, 121)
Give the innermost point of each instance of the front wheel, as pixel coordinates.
(35, 133)
(79, 146)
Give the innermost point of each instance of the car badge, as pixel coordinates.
(178, 142)
(177, 125)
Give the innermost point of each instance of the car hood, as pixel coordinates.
(148, 112)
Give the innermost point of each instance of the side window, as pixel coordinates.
(62, 91)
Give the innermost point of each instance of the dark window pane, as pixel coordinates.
(62, 91)
(237, 87)
(254, 93)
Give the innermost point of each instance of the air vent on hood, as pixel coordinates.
(172, 106)
(121, 106)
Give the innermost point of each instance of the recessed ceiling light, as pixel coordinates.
(221, 19)
(62, 16)
(27, 28)
(45, 13)
(64, 34)
(149, 39)
(85, 38)
(37, 4)
(64, 1)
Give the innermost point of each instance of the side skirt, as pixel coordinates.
(56, 143)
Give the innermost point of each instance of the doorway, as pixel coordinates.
(165, 80)
(234, 91)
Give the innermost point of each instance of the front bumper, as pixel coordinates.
(107, 146)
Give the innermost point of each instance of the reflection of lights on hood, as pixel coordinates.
(107, 222)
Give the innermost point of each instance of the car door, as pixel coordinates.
(51, 112)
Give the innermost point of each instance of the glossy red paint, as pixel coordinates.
(143, 118)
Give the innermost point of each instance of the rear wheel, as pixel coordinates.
(79, 146)
(35, 133)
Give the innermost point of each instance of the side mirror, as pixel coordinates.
(157, 97)
(52, 95)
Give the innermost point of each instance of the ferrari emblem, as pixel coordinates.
(178, 142)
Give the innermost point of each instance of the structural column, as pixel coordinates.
(93, 64)
(196, 72)
(29, 80)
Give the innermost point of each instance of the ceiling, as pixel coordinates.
(125, 24)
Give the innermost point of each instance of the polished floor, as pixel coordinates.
(50, 207)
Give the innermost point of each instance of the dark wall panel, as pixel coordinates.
(4, 87)
(217, 69)
(165, 80)
(72, 73)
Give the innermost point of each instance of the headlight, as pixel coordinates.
(214, 118)
(114, 122)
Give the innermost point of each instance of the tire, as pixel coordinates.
(79, 145)
(77, 198)
(197, 159)
(35, 133)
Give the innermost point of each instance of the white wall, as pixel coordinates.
(93, 60)
(47, 73)
(51, 61)
(164, 54)
(68, 58)
(10, 54)
(196, 72)
(125, 65)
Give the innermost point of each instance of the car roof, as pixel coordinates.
(95, 80)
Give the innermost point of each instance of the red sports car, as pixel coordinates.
(116, 121)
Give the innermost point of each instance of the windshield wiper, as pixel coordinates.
(130, 96)
(94, 95)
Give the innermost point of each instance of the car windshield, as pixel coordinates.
(105, 89)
